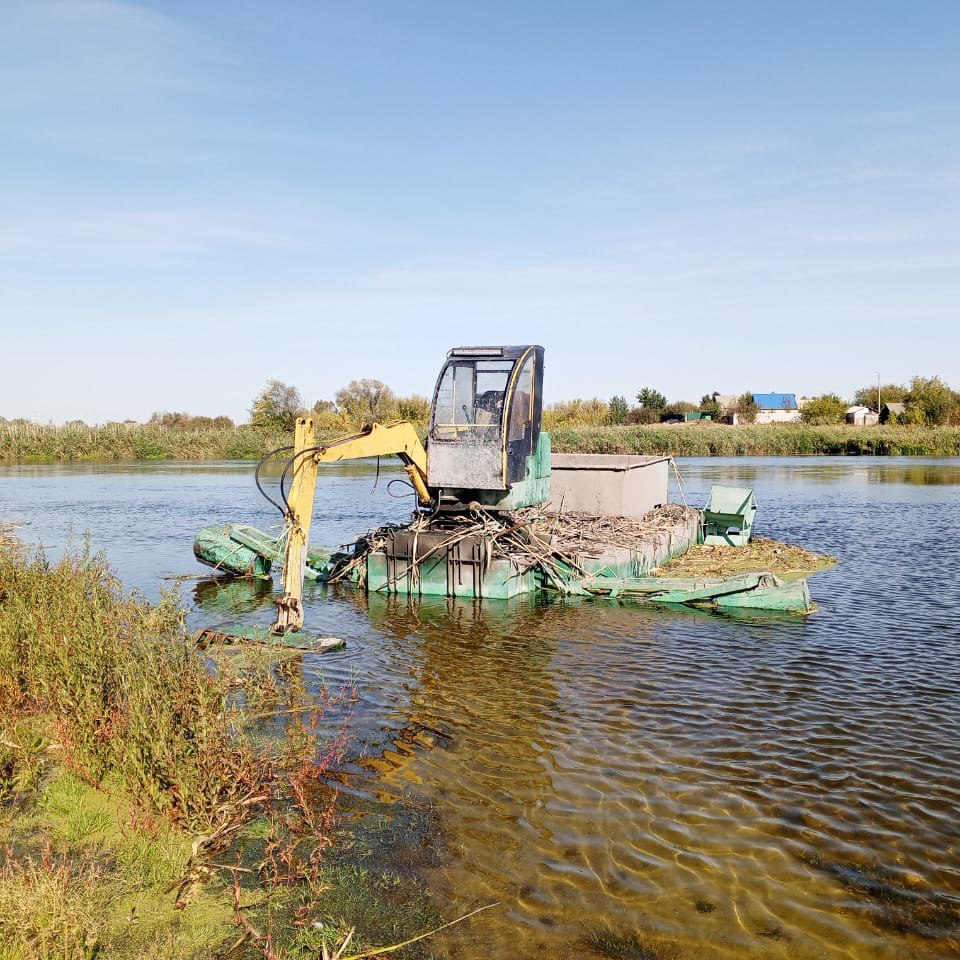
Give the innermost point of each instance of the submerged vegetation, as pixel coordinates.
(155, 804)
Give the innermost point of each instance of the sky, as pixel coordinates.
(695, 196)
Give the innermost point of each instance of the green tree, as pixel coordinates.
(930, 401)
(276, 406)
(889, 393)
(651, 399)
(746, 408)
(327, 418)
(643, 415)
(576, 413)
(186, 421)
(827, 408)
(680, 406)
(366, 401)
(414, 408)
(708, 404)
(619, 409)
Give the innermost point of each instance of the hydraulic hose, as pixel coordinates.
(256, 477)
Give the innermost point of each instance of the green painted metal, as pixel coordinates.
(245, 551)
(500, 579)
(792, 596)
(728, 516)
(215, 547)
(534, 488)
(758, 591)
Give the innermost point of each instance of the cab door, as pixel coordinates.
(523, 418)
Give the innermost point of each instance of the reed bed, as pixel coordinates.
(770, 440)
(156, 802)
(124, 442)
(128, 442)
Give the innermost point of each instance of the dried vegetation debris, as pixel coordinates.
(530, 538)
(785, 560)
(585, 533)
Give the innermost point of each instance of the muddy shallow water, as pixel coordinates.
(627, 782)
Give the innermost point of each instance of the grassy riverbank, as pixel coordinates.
(125, 443)
(154, 804)
(779, 440)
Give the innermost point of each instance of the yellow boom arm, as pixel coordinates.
(374, 440)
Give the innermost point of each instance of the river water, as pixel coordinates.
(625, 782)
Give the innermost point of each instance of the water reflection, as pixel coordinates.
(223, 596)
(828, 470)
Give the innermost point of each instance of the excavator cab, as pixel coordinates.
(485, 444)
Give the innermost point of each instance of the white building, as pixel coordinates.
(776, 408)
(862, 416)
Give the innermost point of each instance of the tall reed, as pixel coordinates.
(571, 434)
(31, 441)
(779, 440)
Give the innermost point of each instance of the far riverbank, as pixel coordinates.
(122, 442)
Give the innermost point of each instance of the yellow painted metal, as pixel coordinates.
(397, 439)
(374, 440)
(290, 605)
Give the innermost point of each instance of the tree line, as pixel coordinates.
(927, 401)
(278, 405)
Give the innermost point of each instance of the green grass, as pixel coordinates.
(774, 440)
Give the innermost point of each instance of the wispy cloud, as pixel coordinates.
(158, 235)
(106, 78)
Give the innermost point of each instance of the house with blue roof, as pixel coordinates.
(777, 408)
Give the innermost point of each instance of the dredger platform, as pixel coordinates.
(498, 514)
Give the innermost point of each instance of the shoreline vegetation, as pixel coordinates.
(29, 442)
(160, 803)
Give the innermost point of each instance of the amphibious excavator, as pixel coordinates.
(485, 450)
(486, 458)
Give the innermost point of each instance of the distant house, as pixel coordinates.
(777, 408)
(892, 412)
(727, 407)
(862, 416)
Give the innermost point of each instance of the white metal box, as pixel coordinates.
(607, 485)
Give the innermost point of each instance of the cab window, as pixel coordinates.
(471, 395)
(520, 425)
